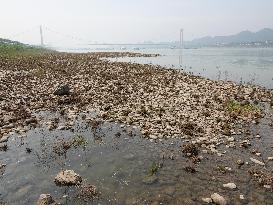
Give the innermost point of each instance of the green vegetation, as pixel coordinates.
(10, 48)
(154, 168)
(79, 141)
(240, 109)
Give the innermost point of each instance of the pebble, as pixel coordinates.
(257, 161)
(46, 199)
(240, 162)
(231, 139)
(218, 199)
(267, 186)
(62, 127)
(4, 138)
(242, 197)
(270, 158)
(230, 186)
(207, 200)
(154, 137)
(68, 178)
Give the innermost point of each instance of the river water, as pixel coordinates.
(118, 162)
(241, 65)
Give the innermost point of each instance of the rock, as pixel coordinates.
(242, 197)
(46, 199)
(154, 137)
(218, 199)
(230, 186)
(3, 147)
(2, 169)
(240, 162)
(68, 178)
(61, 127)
(2, 166)
(207, 200)
(150, 179)
(270, 158)
(31, 121)
(231, 139)
(267, 186)
(257, 161)
(62, 90)
(4, 139)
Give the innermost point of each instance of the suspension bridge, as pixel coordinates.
(40, 34)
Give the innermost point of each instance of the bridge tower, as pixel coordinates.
(41, 35)
(181, 38)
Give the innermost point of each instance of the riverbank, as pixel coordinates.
(198, 115)
(164, 103)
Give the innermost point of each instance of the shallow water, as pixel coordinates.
(241, 65)
(117, 160)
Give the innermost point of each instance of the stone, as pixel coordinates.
(2, 169)
(4, 138)
(207, 200)
(257, 161)
(3, 147)
(230, 186)
(270, 158)
(68, 178)
(218, 199)
(231, 139)
(242, 197)
(61, 127)
(46, 199)
(240, 162)
(62, 90)
(154, 137)
(267, 186)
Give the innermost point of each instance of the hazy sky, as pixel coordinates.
(130, 20)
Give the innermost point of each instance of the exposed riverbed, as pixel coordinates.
(144, 134)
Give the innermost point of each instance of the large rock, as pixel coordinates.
(46, 199)
(68, 178)
(218, 199)
(62, 90)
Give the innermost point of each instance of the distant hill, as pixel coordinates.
(242, 37)
(10, 42)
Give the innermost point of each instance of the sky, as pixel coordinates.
(124, 21)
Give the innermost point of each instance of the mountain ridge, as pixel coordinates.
(246, 36)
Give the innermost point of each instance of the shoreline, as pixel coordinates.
(209, 120)
(164, 103)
